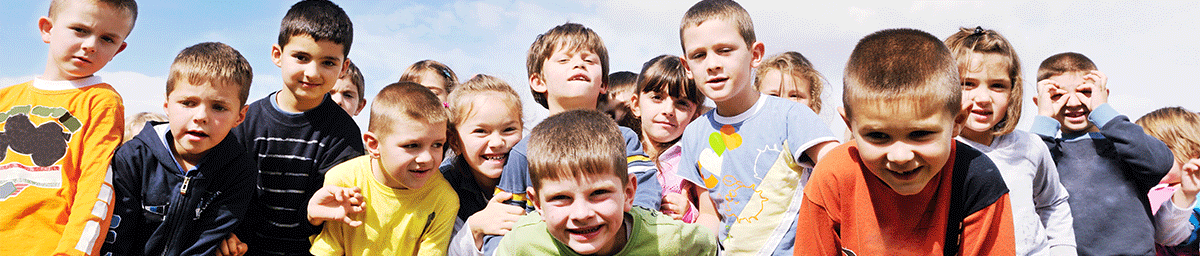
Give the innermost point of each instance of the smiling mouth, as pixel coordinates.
(580, 77)
(495, 157)
(585, 231)
(908, 175)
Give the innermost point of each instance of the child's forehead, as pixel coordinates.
(900, 112)
(333, 49)
(1070, 80)
(569, 47)
(581, 182)
(97, 10)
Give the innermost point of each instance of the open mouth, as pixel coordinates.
(981, 114)
(198, 134)
(717, 80)
(419, 171)
(82, 59)
(580, 77)
(906, 175)
(586, 232)
(495, 157)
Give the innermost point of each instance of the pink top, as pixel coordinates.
(1159, 194)
(671, 183)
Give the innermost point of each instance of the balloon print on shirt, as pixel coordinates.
(41, 133)
(712, 157)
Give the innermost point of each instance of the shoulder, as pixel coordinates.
(102, 93)
(528, 235)
(982, 182)
(345, 171)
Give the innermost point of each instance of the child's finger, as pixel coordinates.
(501, 196)
(351, 222)
(241, 249)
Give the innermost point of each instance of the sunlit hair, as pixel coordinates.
(462, 103)
(129, 6)
(623, 81)
(570, 37)
(405, 102)
(138, 122)
(213, 63)
(1066, 62)
(978, 40)
(665, 74)
(799, 68)
(1178, 128)
(901, 64)
(726, 10)
(414, 72)
(319, 19)
(575, 144)
(356, 78)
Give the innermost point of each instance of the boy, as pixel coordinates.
(348, 91)
(622, 86)
(584, 198)
(409, 208)
(904, 186)
(747, 152)
(60, 131)
(298, 133)
(183, 186)
(1107, 163)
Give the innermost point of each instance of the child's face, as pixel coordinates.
(663, 117)
(83, 37)
(619, 102)
(488, 134)
(435, 82)
(570, 79)
(310, 68)
(719, 60)
(201, 116)
(587, 214)
(905, 146)
(347, 96)
(986, 88)
(409, 155)
(776, 84)
(1174, 175)
(1074, 113)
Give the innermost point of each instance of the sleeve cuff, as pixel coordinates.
(1102, 114)
(1045, 126)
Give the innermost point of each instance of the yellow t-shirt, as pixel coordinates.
(395, 221)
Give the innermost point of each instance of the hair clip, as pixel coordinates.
(978, 30)
(445, 72)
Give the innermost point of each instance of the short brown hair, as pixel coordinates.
(901, 64)
(1178, 128)
(726, 10)
(978, 40)
(356, 78)
(572, 37)
(1064, 62)
(319, 19)
(797, 66)
(211, 62)
(414, 71)
(574, 144)
(125, 5)
(461, 103)
(402, 102)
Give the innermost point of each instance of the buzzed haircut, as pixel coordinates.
(462, 102)
(901, 63)
(966, 42)
(795, 65)
(356, 78)
(1178, 128)
(726, 10)
(414, 72)
(126, 5)
(405, 102)
(214, 63)
(622, 80)
(1063, 63)
(572, 37)
(319, 19)
(575, 144)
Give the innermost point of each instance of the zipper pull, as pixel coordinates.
(184, 187)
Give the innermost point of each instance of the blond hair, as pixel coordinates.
(902, 64)
(571, 37)
(214, 63)
(129, 6)
(575, 144)
(136, 123)
(462, 103)
(1178, 128)
(726, 10)
(414, 72)
(403, 102)
(798, 67)
(978, 40)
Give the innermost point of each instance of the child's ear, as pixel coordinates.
(842, 112)
(277, 55)
(345, 69)
(531, 196)
(536, 83)
(634, 109)
(758, 50)
(361, 103)
(372, 144)
(630, 189)
(44, 26)
(242, 115)
(959, 122)
(687, 70)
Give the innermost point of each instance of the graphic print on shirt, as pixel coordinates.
(38, 136)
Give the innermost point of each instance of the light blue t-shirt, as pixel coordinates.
(751, 165)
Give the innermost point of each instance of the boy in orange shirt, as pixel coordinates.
(904, 186)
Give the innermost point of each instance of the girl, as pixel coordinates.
(433, 75)
(991, 84)
(790, 76)
(665, 103)
(485, 115)
(1173, 200)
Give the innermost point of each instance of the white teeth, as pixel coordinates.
(500, 157)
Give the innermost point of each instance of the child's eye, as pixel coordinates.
(108, 39)
(510, 129)
(560, 199)
(479, 131)
(696, 56)
(725, 50)
(219, 107)
(79, 30)
(999, 87)
(920, 135)
(600, 192)
(187, 103)
(329, 64)
(301, 58)
(794, 96)
(876, 137)
(437, 145)
(410, 146)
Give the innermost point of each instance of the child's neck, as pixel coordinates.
(984, 137)
(738, 104)
(288, 102)
(486, 184)
(185, 161)
(556, 107)
(654, 148)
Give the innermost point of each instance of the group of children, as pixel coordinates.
(627, 164)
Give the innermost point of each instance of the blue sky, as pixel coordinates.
(1146, 48)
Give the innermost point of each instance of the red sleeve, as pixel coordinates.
(815, 233)
(988, 231)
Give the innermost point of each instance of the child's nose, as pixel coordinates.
(580, 211)
(900, 154)
(89, 44)
(495, 140)
(1073, 99)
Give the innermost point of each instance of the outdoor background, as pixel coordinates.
(1147, 48)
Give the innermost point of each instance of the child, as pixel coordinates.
(790, 76)
(1107, 163)
(585, 198)
(747, 151)
(298, 133)
(183, 186)
(348, 91)
(1178, 128)
(433, 75)
(903, 186)
(621, 86)
(485, 114)
(134, 125)
(409, 208)
(60, 131)
(991, 83)
(666, 101)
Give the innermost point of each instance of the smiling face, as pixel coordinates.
(408, 155)
(986, 87)
(1074, 113)
(904, 144)
(663, 117)
(720, 62)
(776, 84)
(347, 96)
(586, 214)
(83, 37)
(309, 69)
(201, 116)
(571, 80)
(488, 133)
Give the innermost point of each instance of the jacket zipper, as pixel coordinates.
(174, 212)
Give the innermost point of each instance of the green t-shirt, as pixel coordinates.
(651, 233)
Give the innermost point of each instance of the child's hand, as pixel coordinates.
(1049, 98)
(1189, 183)
(1097, 82)
(333, 203)
(675, 205)
(231, 247)
(496, 219)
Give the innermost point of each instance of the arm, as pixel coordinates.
(989, 231)
(1050, 202)
(332, 238)
(463, 244)
(816, 232)
(226, 211)
(126, 209)
(708, 216)
(91, 203)
(1148, 158)
(335, 203)
(1171, 225)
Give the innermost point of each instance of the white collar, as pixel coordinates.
(762, 99)
(67, 84)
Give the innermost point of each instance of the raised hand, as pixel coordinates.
(333, 203)
(1050, 98)
(496, 219)
(1189, 184)
(1097, 82)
